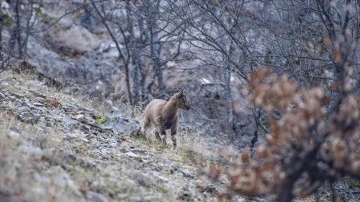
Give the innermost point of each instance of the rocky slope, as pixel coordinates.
(56, 147)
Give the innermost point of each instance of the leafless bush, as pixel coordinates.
(6, 61)
(306, 147)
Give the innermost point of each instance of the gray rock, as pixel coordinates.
(161, 178)
(14, 135)
(345, 191)
(68, 106)
(64, 180)
(75, 38)
(42, 178)
(28, 117)
(119, 123)
(69, 122)
(185, 195)
(122, 195)
(96, 197)
(37, 104)
(187, 173)
(210, 189)
(132, 155)
(104, 152)
(6, 198)
(113, 143)
(138, 150)
(23, 109)
(36, 151)
(27, 103)
(78, 70)
(79, 116)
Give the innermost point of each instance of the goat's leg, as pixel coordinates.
(157, 135)
(163, 137)
(173, 138)
(145, 125)
(173, 135)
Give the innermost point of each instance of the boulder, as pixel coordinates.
(72, 38)
(121, 124)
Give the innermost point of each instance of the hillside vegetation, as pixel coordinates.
(273, 89)
(51, 149)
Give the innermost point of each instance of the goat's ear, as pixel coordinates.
(181, 93)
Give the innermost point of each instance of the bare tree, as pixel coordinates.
(137, 68)
(301, 38)
(22, 22)
(315, 44)
(306, 148)
(105, 18)
(218, 39)
(141, 31)
(33, 11)
(163, 39)
(1, 28)
(15, 37)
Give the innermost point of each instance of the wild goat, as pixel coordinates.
(164, 115)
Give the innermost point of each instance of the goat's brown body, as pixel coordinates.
(163, 115)
(156, 114)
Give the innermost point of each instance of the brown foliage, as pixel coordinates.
(308, 146)
(53, 102)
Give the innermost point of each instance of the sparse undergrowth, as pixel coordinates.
(52, 144)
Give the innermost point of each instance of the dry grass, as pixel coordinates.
(63, 165)
(22, 165)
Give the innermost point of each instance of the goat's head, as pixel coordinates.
(181, 100)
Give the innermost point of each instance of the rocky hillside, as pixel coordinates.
(60, 147)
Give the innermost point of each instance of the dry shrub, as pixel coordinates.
(308, 145)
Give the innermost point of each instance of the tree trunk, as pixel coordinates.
(135, 73)
(122, 56)
(142, 70)
(155, 48)
(155, 55)
(285, 191)
(1, 27)
(16, 31)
